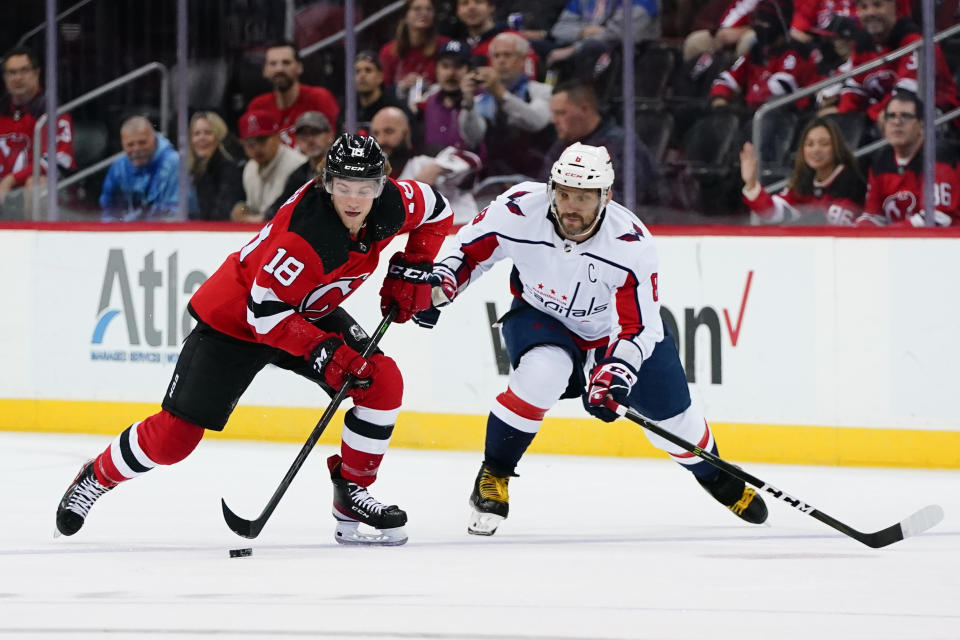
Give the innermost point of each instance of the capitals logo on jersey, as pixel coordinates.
(636, 236)
(328, 297)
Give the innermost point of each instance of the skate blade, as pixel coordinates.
(349, 533)
(483, 524)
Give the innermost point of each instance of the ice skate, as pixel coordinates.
(78, 500)
(489, 502)
(353, 506)
(742, 500)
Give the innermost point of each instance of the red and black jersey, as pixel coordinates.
(304, 263)
(810, 15)
(870, 92)
(16, 138)
(838, 200)
(759, 77)
(895, 190)
(309, 99)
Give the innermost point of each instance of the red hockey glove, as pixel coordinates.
(334, 360)
(612, 378)
(408, 285)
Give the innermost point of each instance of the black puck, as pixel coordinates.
(240, 553)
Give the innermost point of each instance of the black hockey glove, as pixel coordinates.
(443, 292)
(613, 378)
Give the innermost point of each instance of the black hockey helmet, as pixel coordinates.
(355, 157)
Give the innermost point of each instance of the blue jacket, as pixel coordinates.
(141, 193)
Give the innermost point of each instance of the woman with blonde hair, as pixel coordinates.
(825, 188)
(215, 176)
(410, 56)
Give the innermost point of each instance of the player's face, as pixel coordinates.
(281, 68)
(21, 78)
(139, 145)
(901, 126)
(576, 209)
(818, 150)
(202, 138)
(877, 16)
(353, 200)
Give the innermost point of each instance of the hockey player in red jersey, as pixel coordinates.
(277, 301)
(585, 322)
(825, 187)
(895, 182)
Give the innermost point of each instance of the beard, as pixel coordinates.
(282, 82)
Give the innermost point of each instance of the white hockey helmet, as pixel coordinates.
(583, 167)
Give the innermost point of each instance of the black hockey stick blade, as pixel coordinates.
(913, 525)
(251, 528)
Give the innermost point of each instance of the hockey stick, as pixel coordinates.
(913, 525)
(251, 528)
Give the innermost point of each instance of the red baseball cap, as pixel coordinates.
(257, 123)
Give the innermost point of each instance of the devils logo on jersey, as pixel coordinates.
(328, 297)
(899, 206)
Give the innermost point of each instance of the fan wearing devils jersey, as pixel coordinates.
(884, 32)
(586, 308)
(825, 187)
(895, 183)
(21, 106)
(278, 301)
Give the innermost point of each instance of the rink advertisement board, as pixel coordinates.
(819, 349)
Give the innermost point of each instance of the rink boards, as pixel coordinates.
(806, 348)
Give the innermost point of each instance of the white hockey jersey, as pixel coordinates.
(604, 289)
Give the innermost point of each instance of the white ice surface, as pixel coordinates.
(594, 548)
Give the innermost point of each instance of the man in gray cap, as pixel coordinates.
(314, 137)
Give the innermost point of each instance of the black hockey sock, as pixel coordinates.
(505, 446)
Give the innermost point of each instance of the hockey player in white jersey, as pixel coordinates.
(585, 321)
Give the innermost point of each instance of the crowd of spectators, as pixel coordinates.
(492, 94)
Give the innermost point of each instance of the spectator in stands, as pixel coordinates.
(439, 112)
(731, 33)
(214, 173)
(370, 94)
(391, 129)
(409, 58)
(476, 27)
(895, 181)
(576, 115)
(825, 188)
(282, 68)
(144, 183)
(451, 171)
(270, 164)
(883, 32)
(532, 20)
(314, 137)
(775, 66)
(509, 107)
(589, 28)
(21, 105)
(813, 17)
